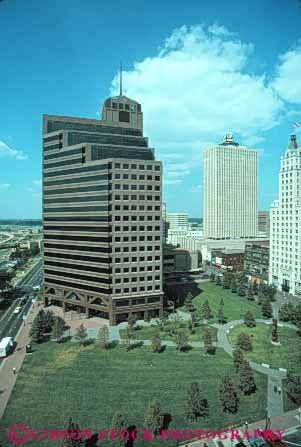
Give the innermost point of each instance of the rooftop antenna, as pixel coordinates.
(120, 80)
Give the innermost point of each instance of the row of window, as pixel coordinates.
(94, 188)
(135, 238)
(136, 301)
(65, 256)
(135, 166)
(137, 208)
(134, 269)
(135, 187)
(136, 279)
(136, 228)
(92, 278)
(137, 177)
(137, 289)
(77, 267)
(76, 180)
(135, 218)
(135, 249)
(135, 197)
(136, 259)
(77, 170)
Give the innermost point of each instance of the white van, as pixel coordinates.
(6, 346)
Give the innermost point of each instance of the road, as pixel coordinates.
(11, 322)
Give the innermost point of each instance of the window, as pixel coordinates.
(141, 167)
(133, 167)
(141, 197)
(125, 166)
(157, 168)
(149, 167)
(141, 177)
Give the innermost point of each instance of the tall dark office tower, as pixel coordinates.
(102, 214)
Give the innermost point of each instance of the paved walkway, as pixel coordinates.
(15, 360)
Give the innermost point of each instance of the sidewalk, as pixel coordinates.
(15, 360)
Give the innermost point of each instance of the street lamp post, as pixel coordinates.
(299, 411)
(266, 418)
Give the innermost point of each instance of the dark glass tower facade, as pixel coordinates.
(102, 208)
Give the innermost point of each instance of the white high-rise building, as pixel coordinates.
(230, 191)
(285, 224)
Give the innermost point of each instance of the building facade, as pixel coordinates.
(102, 215)
(285, 228)
(177, 220)
(257, 261)
(229, 259)
(263, 223)
(230, 191)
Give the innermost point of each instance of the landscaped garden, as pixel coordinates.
(235, 306)
(91, 384)
(286, 355)
(194, 334)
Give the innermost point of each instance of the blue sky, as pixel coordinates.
(199, 68)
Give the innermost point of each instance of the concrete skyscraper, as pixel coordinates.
(229, 191)
(285, 224)
(102, 214)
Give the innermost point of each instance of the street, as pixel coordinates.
(11, 322)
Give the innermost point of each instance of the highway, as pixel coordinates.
(11, 322)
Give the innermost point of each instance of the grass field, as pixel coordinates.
(287, 355)
(235, 306)
(146, 332)
(89, 384)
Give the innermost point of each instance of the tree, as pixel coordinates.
(293, 387)
(48, 321)
(103, 337)
(154, 417)
(255, 288)
(228, 396)
(249, 319)
(81, 334)
(250, 294)
(244, 342)
(188, 303)
(156, 342)
(118, 425)
(241, 289)
(275, 331)
(212, 277)
(238, 358)
(227, 278)
(208, 344)
(246, 378)
(233, 285)
(132, 321)
(218, 280)
(58, 328)
(285, 313)
(181, 340)
(37, 328)
(260, 295)
(266, 308)
(206, 312)
(196, 405)
(129, 337)
(220, 314)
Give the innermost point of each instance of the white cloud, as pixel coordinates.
(196, 89)
(171, 182)
(287, 81)
(196, 188)
(4, 185)
(7, 151)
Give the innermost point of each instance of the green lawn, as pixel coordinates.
(287, 355)
(235, 306)
(62, 380)
(146, 332)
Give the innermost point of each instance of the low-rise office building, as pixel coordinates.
(257, 261)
